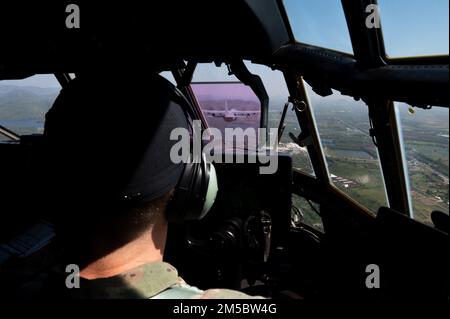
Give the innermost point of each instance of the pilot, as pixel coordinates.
(113, 187)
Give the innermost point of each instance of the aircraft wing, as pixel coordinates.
(214, 113)
(246, 113)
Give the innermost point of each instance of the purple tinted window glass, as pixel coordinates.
(228, 105)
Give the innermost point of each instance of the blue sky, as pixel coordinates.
(415, 27)
(41, 80)
(319, 22)
(410, 27)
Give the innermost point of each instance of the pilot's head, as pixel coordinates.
(110, 176)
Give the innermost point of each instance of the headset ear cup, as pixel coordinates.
(211, 190)
(195, 193)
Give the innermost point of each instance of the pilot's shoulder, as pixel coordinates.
(184, 291)
(226, 294)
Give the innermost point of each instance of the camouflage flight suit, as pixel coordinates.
(151, 281)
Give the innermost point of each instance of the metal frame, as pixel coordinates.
(63, 78)
(180, 79)
(240, 70)
(369, 51)
(9, 134)
(369, 55)
(308, 126)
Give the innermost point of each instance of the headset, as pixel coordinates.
(197, 188)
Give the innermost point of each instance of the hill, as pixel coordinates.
(19, 103)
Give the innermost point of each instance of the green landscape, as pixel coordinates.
(23, 108)
(352, 157)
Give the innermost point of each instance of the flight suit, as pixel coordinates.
(157, 280)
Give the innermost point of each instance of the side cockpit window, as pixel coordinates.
(350, 153)
(426, 145)
(24, 103)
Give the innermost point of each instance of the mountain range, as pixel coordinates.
(25, 102)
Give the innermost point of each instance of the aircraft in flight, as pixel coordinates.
(230, 115)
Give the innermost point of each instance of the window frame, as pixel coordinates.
(62, 78)
(405, 159)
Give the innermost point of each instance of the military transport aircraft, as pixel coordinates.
(231, 115)
(340, 218)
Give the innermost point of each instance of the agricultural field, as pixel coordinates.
(352, 157)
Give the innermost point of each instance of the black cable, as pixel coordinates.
(313, 208)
